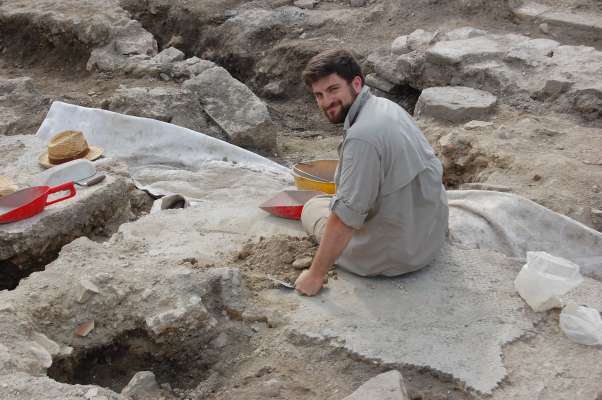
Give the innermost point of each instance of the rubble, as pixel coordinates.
(507, 65)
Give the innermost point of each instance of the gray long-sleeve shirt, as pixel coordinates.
(389, 189)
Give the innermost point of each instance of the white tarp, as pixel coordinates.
(513, 225)
(147, 143)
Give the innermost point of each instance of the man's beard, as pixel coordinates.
(340, 117)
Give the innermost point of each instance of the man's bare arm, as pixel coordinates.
(334, 240)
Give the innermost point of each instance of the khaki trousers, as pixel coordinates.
(315, 214)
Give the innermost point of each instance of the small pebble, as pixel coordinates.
(302, 263)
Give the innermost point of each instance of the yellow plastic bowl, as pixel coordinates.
(315, 175)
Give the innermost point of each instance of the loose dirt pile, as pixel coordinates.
(280, 257)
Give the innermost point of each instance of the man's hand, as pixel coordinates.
(309, 283)
(334, 240)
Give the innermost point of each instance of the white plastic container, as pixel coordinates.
(544, 278)
(581, 324)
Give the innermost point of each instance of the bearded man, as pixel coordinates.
(389, 215)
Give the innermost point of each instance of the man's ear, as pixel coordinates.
(357, 83)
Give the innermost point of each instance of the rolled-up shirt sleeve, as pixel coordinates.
(358, 183)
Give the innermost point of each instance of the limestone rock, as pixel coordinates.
(464, 33)
(142, 386)
(376, 82)
(235, 108)
(477, 125)
(188, 312)
(455, 104)
(191, 67)
(130, 40)
(22, 106)
(386, 66)
(169, 55)
(20, 386)
(420, 39)
(302, 263)
(400, 45)
(105, 19)
(532, 51)
(508, 65)
(357, 3)
(274, 90)
(167, 104)
(468, 50)
(530, 10)
(386, 386)
(309, 4)
(86, 290)
(580, 27)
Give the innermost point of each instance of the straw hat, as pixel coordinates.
(6, 186)
(68, 146)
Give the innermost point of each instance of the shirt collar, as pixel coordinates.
(357, 105)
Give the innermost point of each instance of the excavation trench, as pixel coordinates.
(204, 33)
(112, 366)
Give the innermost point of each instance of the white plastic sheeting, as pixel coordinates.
(513, 225)
(147, 143)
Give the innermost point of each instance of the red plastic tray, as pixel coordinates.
(289, 203)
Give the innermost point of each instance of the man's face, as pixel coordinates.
(335, 96)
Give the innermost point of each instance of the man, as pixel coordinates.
(389, 214)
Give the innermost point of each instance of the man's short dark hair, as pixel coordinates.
(337, 61)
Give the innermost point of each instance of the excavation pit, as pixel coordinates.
(112, 366)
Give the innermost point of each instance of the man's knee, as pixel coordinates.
(314, 215)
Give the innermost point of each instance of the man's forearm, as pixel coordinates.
(334, 240)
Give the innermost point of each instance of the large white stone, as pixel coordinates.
(532, 52)
(400, 45)
(455, 103)
(457, 51)
(235, 108)
(169, 55)
(420, 39)
(466, 32)
(142, 386)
